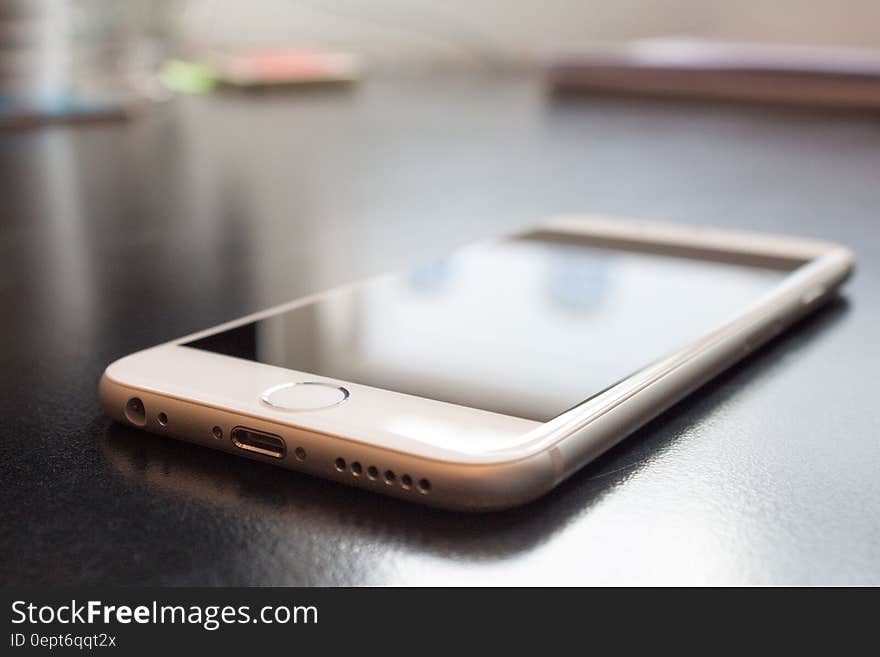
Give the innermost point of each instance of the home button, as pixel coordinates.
(304, 396)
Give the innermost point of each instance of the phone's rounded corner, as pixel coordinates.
(113, 391)
(126, 369)
(838, 262)
(495, 486)
(110, 394)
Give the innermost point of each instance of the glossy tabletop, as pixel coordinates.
(117, 236)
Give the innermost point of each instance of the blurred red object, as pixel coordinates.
(285, 66)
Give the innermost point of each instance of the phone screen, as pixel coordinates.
(526, 326)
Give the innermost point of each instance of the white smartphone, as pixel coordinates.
(481, 380)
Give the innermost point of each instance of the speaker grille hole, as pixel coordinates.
(389, 477)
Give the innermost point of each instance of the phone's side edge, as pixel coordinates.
(814, 285)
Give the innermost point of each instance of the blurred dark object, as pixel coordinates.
(803, 75)
(79, 59)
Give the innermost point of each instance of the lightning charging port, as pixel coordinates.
(259, 442)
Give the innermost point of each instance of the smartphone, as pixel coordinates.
(481, 380)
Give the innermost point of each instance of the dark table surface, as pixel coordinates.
(118, 236)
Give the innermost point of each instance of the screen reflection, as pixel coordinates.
(523, 327)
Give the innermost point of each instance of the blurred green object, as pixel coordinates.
(187, 77)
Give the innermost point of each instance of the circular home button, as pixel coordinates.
(304, 396)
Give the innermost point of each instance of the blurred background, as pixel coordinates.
(515, 31)
(50, 48)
